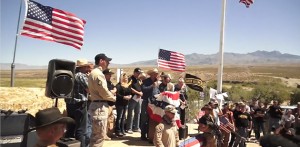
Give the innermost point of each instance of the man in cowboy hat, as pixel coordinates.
(100, 96)
(77, 106)
(50, 126)
(166, 133)
(206, 123)
(166, 84)
(148, 86)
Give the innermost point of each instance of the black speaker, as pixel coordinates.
(14, 129)
(16, 124)
(183, 132)
(60, 79)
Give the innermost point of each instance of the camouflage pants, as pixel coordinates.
(210, 140)
(99, 114)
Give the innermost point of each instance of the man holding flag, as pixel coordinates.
(226, 124)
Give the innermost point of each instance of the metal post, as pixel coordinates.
(12, 75)
(221, 52)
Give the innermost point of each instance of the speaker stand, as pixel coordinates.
(56, 101)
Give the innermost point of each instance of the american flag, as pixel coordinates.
(225, 125)
(171, 60)
(196, 141)
(47, 23)
(247, 2)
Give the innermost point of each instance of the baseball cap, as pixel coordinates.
(102, 56)
(138, 70)
(107, 71)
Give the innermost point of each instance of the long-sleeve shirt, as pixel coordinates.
(98, 86)
(147, 88)
(80, 86)
(166, 134)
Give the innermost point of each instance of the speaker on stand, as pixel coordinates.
(60, 79)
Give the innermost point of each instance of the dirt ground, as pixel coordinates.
(134, 139)
(21, 98)
(34, 99)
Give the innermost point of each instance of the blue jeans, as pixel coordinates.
(120, 121)
(258, 127)
(136, 107)
(144, 119)
(273, 124)
(239, 141)
(80, 131)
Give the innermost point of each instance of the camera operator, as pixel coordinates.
(287, 132)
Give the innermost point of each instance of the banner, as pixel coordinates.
(157, 105)
(194, 82)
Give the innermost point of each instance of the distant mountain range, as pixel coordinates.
(254, 58)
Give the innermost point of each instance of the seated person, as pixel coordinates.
(50, 126)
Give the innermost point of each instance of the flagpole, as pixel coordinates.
(221, 51)
(12, 75)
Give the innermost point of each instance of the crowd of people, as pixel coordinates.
(91, 120)
(245, 118)
(96, 96)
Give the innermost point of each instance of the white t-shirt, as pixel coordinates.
(216, 117)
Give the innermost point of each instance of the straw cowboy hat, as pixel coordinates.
(152, 71)
(50, 116)
(82, 63)
(171, 109)
(164, 75)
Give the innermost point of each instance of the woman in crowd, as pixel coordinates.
(123, 96)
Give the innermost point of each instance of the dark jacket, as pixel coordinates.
(121, 92)
(147, 89)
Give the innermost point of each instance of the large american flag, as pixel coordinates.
(247, 2)
(47, 23)
(171, 60)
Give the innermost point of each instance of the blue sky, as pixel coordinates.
(134, 30)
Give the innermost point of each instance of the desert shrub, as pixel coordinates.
(295, 96)
(269, 91)
(236, 92)
(195, 103)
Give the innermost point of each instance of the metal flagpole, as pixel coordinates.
(12, 75)
(221, 51)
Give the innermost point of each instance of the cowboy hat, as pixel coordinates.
(166, 76)
(152, 71)
(171, 109)
(206, 107)
(82, 63)
(50, 116)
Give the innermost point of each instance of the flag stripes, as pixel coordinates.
(171, 60)
(247, 2)
(156, 108)
(47, 23)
